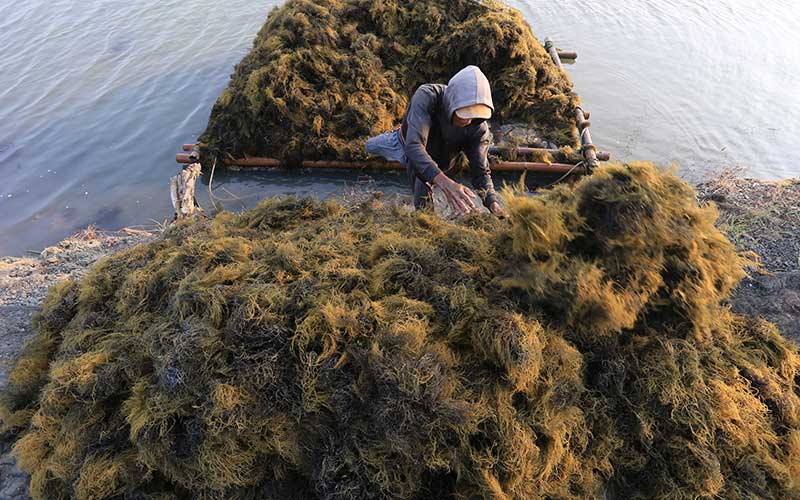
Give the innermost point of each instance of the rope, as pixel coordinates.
(563, 176)
(211, 182)
(216, 199)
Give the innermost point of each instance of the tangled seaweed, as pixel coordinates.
(304, 350)
(325, 75)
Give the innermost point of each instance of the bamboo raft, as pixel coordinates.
(381, 165)
(589, 154)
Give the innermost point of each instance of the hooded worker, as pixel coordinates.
(441, 121)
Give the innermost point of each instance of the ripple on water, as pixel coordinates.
(7, 151)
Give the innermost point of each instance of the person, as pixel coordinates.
(441, 121)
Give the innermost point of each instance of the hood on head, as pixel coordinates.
(467, 88)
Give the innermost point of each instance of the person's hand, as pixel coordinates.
(498, 210)
(458, 196)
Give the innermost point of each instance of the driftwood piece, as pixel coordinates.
(181, 188)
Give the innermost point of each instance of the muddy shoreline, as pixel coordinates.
(24, 282)
(762, 217)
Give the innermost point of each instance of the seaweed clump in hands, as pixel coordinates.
(310, 351)
(323, 76)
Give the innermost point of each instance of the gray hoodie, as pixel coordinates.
(432, 141)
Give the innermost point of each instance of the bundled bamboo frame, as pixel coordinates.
(589, 151)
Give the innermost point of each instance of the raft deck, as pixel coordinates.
(589, 155)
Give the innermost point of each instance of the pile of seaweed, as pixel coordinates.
(324, 75)
(305, 350)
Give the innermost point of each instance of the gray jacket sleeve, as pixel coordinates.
(477, 151)
(419, 120)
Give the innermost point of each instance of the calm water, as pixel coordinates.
(97, 96)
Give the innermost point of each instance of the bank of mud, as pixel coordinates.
(757, 216)
(24, 282)
(763, 217)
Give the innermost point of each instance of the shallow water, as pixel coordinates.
(96, 97)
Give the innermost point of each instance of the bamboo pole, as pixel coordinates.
(551, 48)
(377, 165)
(500, 166)
(522, 150)
(601, 155)
(354, 165)
(253, 161)
(544, 168)
(250, 161)
(588, 149)
(492, 149)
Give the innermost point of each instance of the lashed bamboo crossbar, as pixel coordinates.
(500, 166)
(550, 47)
(519, 150)
(588, 149)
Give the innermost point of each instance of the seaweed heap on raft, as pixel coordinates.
(302, 350)
(325, 75)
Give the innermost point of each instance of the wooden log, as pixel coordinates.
(567, 54)
(182, 188)
(188, 147)
(550, 47)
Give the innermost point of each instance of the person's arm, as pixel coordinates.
(419, 120)
(477, 151)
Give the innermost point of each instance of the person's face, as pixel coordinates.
(461, 122)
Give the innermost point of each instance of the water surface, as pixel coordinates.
(97, 96)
